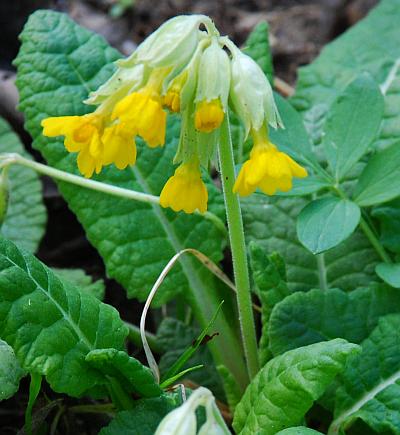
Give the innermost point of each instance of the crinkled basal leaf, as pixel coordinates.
(85, 282)
(299, 430)
(326, 222)
(10, 371)
(319, 315)
(143, 419)
(378, 181)
(351, 125)
(131, 373)
(52, 327)
(26, 216)
(58, 65)
(271, 222)
(370, 385)
(257, 47)
(389, 218)
(174, 337)
(286, 387)
(269, 276)
(370, 46)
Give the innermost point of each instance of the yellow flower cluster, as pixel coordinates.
(185, 70)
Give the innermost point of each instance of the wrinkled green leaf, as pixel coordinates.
(79, 278)
(52, 327)
(10, 371)
(231, 389)
(131, 373)
(286, 387)
(299, 430)
(271, 222)
(390, 273)
(143, 419)
(389, 218)
(136, 240)
(174, 337)
(369, 46)
(269, 276)
(257, 47)
(379, 180)
(352, 124)
(326, 222)
(370, 385)
(319, 315)
(26, 216)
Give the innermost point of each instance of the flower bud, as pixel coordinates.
(214, 76)
(251, 94)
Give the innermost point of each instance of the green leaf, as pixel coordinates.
(294, 139)
(389, 218)
(299, 430)
(379, 180)
(59, 63)
(326, 222)
(390, 273)
(305, 186)
(131, 373)
(257, 47)
(319, 315)
(174, 337)
(369, 46)
(52, 327)
(10, 371)
(177, 366)
(286, 387)
(79, 278)
(370, 385)
(231, 388)
(269, 276)
(26, 215)
(143, 419)
(271, 222)
(351, 125)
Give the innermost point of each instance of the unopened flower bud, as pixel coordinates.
(251, 94)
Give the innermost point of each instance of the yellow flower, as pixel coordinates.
(143, 112)
(172, 100)
(185, 190)
(268, 169)
(82, 135)
(209, 115)
(119, 146)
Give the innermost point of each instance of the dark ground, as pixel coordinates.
(299, 29)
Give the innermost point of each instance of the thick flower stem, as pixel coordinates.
(238, 248)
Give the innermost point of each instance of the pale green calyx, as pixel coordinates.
(251, 93)
(214, 75)
(172, 44)
(182, 420)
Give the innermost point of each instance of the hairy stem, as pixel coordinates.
(238, 248)
(13, 158)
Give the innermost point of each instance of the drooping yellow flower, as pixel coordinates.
(172, 100)
(209, 116)
(185, 190)
(119, 146)
(82, 135)
(268, 169)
